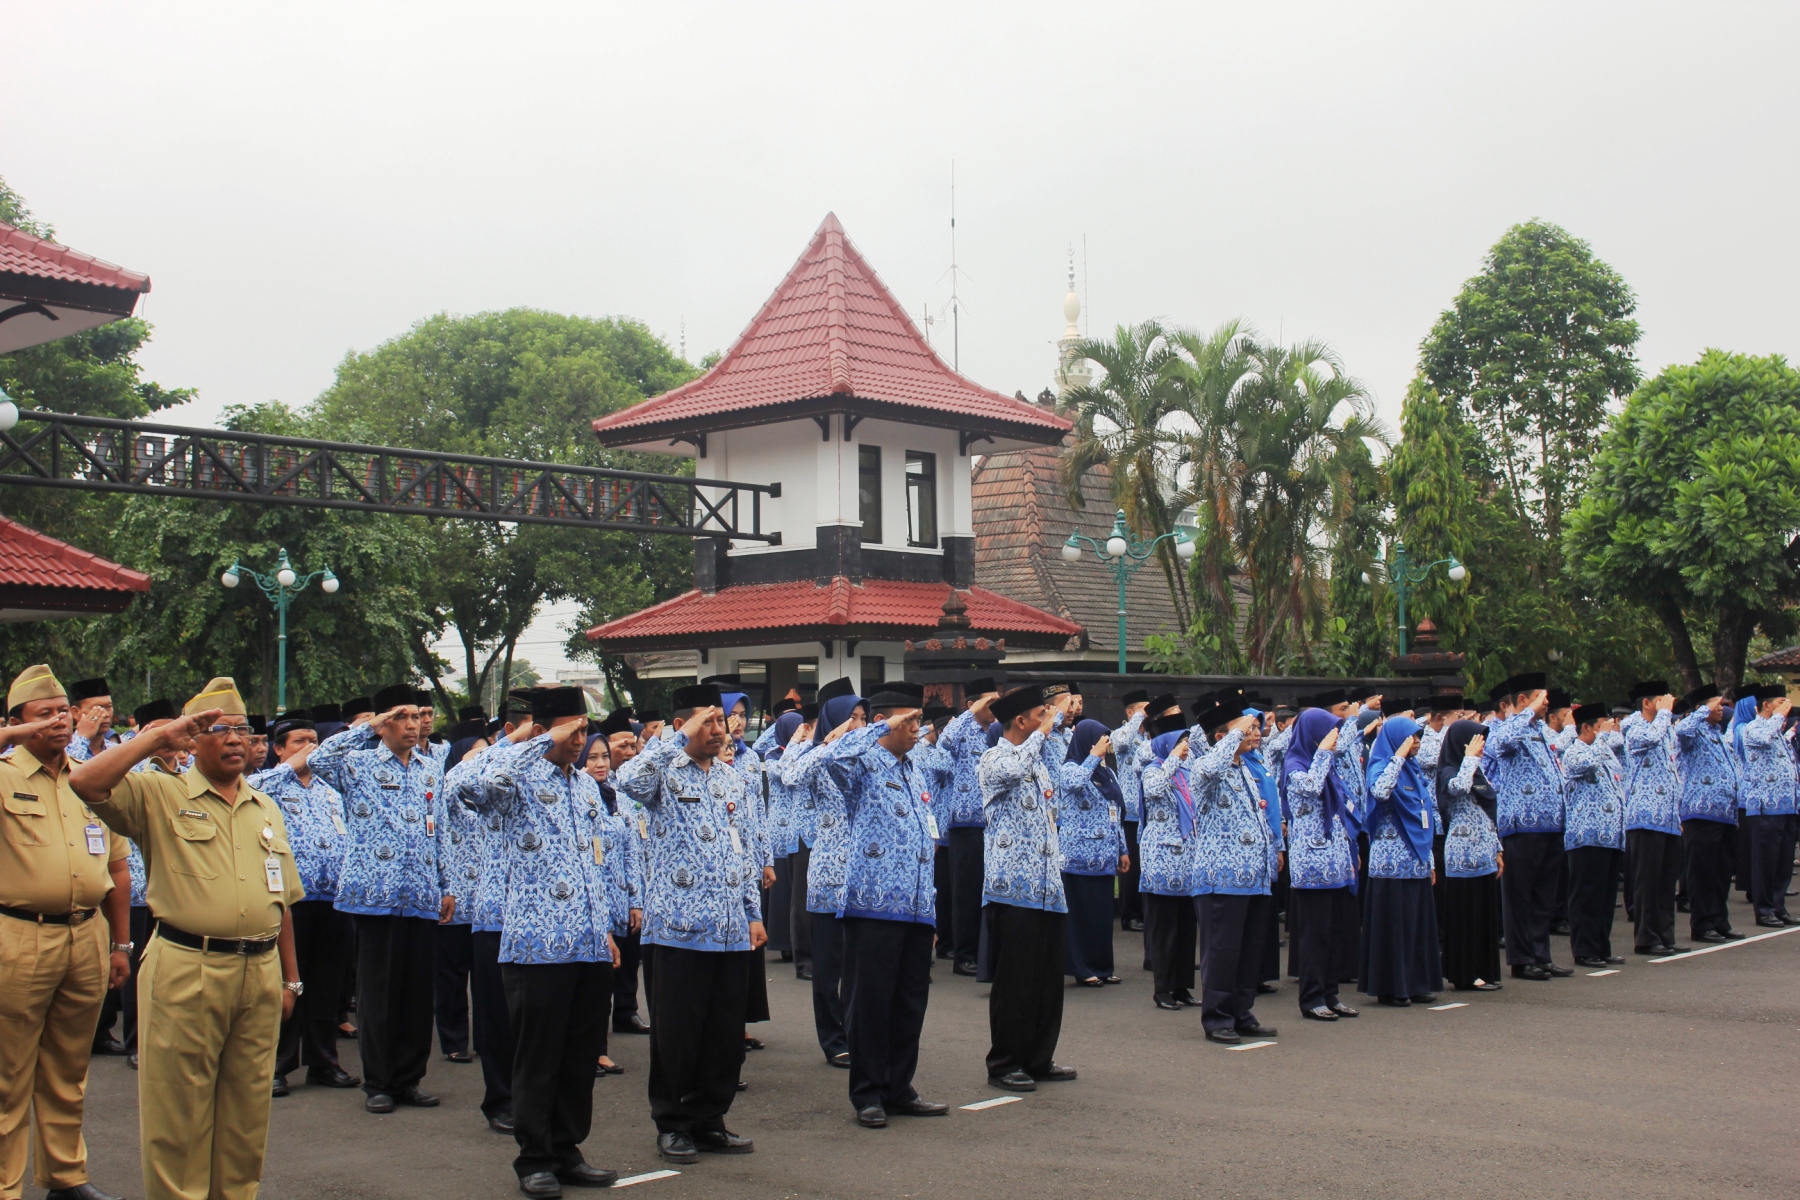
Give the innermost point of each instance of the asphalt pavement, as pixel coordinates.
(1671, 1079)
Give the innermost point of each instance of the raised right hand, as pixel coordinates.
(1475, 745)
(1329, 741)
(178, 733)
(1664, 703)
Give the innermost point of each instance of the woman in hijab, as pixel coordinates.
(1268, 790)
(1091, 807)
(1401, 960)
(1322, 914)
(1472, 862)
(1167, 846)
(785, 833)
(596, 764)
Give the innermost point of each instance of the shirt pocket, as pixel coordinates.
(194, 835)
(27, 820)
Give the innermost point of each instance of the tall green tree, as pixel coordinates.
(1361, 621)
(1433, 503)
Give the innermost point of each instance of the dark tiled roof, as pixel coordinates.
(1781, 660)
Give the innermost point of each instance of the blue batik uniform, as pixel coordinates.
(1768, 779)
(1088, 824)
(461, 848)
(390, 857)
(1596, 801)
(557, 907)
(140, 878)
(1431, 745)
(1022, 863)
(1125, 742)
(749, 768)
(1166, 842)
(1316, 861)
(1525, 777)
(1350, 772)
(78, 749)
(462, 787)
(1652, 789)
(939, 776)
(1391, 853)
(892, 832)
(314, 816)
(1708, 772)
(1236, 852)
(829, 865)
(1471, 843)
(965, 740)
(703, 887)
(786, 827)
(623, 867)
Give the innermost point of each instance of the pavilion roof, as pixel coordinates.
(41, 578)
(48, 290)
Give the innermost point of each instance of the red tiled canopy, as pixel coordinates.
(42, 578)
(875, 609)
(48, 291)
(831, 339)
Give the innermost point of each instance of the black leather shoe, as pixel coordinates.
(723, 1141)
(1712, 937)
(632, 1023)
(962, 968)
(1591, 962)
(1535, 971)
(501, 1123)
(1267, 989)
(1013, 1081)
(110, 1046)
(1056, 1074)
(1321, 1013)
(676, 1147)
(379, 1102)
(540, 1185)
(840, 1060)
(803, 972)
(459, 1056)
(585, 1175)
(1256, 1030)
(751, 1043)
(1786, 919)
(1186, 999)
(337, 1077)
(131, 1060)
(1395, 1001)
(1557, 972)
(1225, 1037)
(1164, 1000)
(81, 1191)
(743, 1085)
(1561, 928)
(412, 1097)
(872, 1117)
(918, 1108)
(1343, 1010)
(1732, 935)
(1613, 960)
(1771, 922)
(279, 1088)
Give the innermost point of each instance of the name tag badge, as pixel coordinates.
(599, 850)
(737, 845)
(272, 868)
(430, 825)
(337, 823)
(96, 838)
(643, 829)
(931, 825)
(1112, 813)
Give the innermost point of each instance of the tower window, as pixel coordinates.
(921, 498)
(868, 492)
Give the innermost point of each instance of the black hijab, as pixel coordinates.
(1450, 761)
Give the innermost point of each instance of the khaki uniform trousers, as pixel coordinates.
(206, 1061)
(52, 982)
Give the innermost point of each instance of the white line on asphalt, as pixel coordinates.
(1442, 1007)
(646, 1177)
(1251, 1046)
(994, 1103)
(1598, 974)
(1726, 945)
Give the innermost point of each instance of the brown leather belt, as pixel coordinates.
(68, 918)
(213, 945)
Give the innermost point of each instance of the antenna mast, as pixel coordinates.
(955, 303)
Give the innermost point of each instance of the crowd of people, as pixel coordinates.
(240, 890)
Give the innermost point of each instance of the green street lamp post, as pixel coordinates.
(1405, 578)
(285, 583)
(1123, 555)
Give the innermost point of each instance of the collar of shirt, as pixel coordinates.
(29, 763)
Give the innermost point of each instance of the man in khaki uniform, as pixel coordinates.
(58, 866)
(210, 987)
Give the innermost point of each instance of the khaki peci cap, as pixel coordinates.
(34, 683)
(220, 693)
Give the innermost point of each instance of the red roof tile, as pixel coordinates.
(803, 611)
(23, 254)
(41, 578)
(831, 331)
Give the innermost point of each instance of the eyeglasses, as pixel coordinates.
(222, 730)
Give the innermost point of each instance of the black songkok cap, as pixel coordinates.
(784, 704)
(1560, 699)
(1162, 704)
(1646, 689)
(87, 689)
(548, 704)
(735, 680)
(1447, 704)
(1328, 698)
(1770, 691)
(1173, 723)
(981, 685)
(897, 694)
(1053, 690)
(1587, 714)
(697, 695)
(646, 715)
(938, 712)
(472, 728)
(1530, 681)
(357, 707)
(259, 724)
(328, 712)
(1219, 714)
(1019, 700)
(287, 723)
(1138, 697)
(617, 721)
(840, 686)
(155, 710)
(393, 697)
(472, 712)
(423, 698)
(1697, 697)
(809, 713)
(1361, 692)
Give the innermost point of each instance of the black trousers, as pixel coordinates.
(1169, 932)
(1131, 901)
(1317, 919)
(778, 915)
(827, 982)
(1528, 894)
(696, 1036)
(1711, 852)
(887, 980)
(800, 922)
(968, 848)
(322, 945)
(946, 902)
(1025, 1004)
(559, 1010)
(453, 955)
(395, 964)
(625, 977)
(1090, 899)
(1593, 889)
(1655, 862)
(493, 1027)
(128, 1002)
(1233, 936)
(1771, 866)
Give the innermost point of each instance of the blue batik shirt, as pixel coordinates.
(1391, 854)
(892, 831)
(1768, 780)
(939, 774)
(1088, 824)
(1652, 789)
(314, 816)
(1166, 855)
(1236, 851)
(1316, 861)
(828, 867)
(1022, 860)
(1471, 843)
(140, 878)
(1125, 742)
(704, 885)
(623, 867)
(788, 820)
(1707, 768)
(1525, 777)
(1596, 797)
(1431, 745)
(462, 787)
(461, 847)
(965, 740)
(1351, 773)
(557, 908)
(390, 857)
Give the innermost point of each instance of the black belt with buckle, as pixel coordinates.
(68, 918)
(213, 945)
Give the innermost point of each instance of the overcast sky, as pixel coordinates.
(305, 181)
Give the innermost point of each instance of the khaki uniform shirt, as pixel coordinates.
(45, 861)
(207, 859)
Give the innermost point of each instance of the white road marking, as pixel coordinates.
(994, 1103)
(1726, 945)
(1456, 1004)
(1251, 1046)
(1598, 974)
(646, 1177)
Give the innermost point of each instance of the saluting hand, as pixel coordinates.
(1103, 747)
(1408, 746)
(695, 720)
(1181, 750)
(1663, 703)
(177, 733)
(1329, 741)
(1475, 745)
(802, 734)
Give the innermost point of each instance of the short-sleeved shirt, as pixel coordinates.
(207, 858)
(46, 861)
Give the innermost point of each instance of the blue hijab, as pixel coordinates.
(1742, 715)
(994, 730)
(1412, 794)
(785, 725)
(1310, 728)
(1163, 745)
(832, 713)
(1087, 733)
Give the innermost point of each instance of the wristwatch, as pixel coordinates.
(296, 987)
(123, 947)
